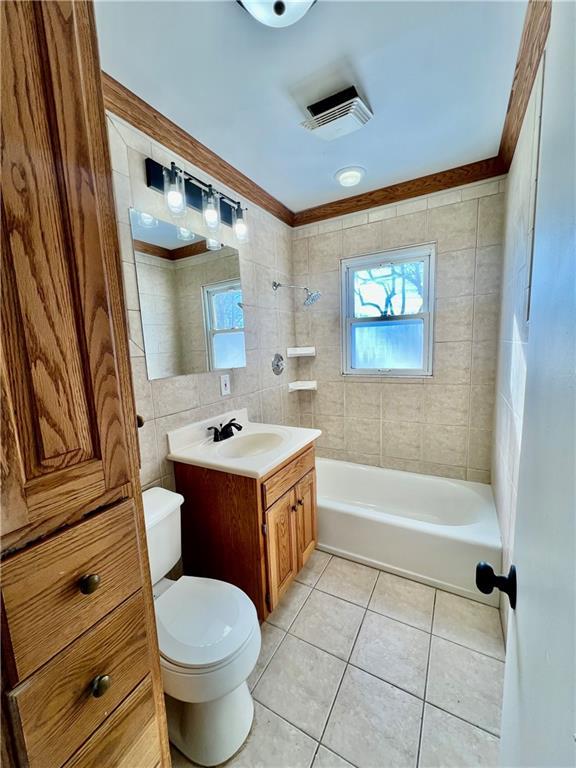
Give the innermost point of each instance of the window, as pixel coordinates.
(224, 323)
(387, 301)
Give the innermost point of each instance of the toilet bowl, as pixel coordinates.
(209, 641)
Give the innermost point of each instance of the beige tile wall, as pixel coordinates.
(437, 425)
(513, 332)
(170, 403)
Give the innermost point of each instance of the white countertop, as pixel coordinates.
(193, 444)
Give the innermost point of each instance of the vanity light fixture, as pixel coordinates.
(174, 190)
(181, 189)
(240, 226)
(277, 13)
(350, 176)
(147, 220)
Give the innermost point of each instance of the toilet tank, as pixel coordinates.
(162, 518)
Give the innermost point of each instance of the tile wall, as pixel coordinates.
(438, 425)
(167, 404)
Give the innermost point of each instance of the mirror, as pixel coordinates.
(190, 300)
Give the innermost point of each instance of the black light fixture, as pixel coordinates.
(182, 189)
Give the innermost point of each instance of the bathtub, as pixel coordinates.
(430, 529)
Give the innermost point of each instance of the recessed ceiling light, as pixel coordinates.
(349, 177)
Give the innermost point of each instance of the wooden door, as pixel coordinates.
(282, 551)
(63, 427)
(306, 517)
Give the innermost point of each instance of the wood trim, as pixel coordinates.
(395, 193)
(122, 102)
(192, 249)
(532, 43)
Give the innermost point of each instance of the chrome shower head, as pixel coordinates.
(311, 296)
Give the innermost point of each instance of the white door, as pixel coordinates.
(538, 723)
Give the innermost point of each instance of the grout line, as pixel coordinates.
(463, 720)
(426, 684)
(469, 648)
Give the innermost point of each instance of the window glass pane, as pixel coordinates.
(389, 289)
(390, 344)
(228, 350)
(226, 310)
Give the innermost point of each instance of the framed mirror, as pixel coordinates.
(190, 300)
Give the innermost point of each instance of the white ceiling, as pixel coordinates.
(437, 76)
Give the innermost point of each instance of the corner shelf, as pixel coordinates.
(301, 352)
(297, 386)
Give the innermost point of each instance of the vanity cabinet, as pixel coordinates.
(256, 533)
(80, 663)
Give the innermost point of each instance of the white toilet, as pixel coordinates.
(209, 639)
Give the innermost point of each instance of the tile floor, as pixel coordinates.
(365, 669)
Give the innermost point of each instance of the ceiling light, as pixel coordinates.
(174, 191)
(277, 13)
(351, 176)
(240, 225)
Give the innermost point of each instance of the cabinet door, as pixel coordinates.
(306, 517)
(62, 421)
(282, 553)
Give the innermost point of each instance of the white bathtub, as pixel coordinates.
(431, 529)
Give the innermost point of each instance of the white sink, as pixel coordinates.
(250, 445)
(254, 452)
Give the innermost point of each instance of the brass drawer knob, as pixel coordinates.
(99, 685)
(89, 583)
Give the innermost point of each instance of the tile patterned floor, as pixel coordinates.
(363, 669)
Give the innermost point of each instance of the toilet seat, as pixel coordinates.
(203, 624)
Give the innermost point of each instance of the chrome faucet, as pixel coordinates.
(226, 431)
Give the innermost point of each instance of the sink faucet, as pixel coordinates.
(226, 431)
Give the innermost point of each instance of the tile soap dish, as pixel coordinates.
(295, 386)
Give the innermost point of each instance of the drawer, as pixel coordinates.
(285, 478)
(129, 738)
(44, 607)
(55, 711)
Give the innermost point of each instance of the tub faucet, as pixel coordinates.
(226, 431)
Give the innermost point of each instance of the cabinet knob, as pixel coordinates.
(294, 508)
(301, 502)
(139, 421)
(99, 685)
(89, 583)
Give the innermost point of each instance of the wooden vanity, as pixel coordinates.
(256, 533)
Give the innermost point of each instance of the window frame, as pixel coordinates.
(425, 252)
(208, 291)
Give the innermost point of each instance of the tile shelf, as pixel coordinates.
(297, 386)
(301, 352)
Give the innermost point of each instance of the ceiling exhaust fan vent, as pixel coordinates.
(337, 115)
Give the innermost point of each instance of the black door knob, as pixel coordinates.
(486, 580)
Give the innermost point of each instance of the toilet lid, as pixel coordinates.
(202, 622)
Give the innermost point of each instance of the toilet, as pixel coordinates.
(209, 641)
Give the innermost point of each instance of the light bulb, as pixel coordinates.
(211, 209)
(174, 191)
(240, 225)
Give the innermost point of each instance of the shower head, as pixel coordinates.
(311, 296)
